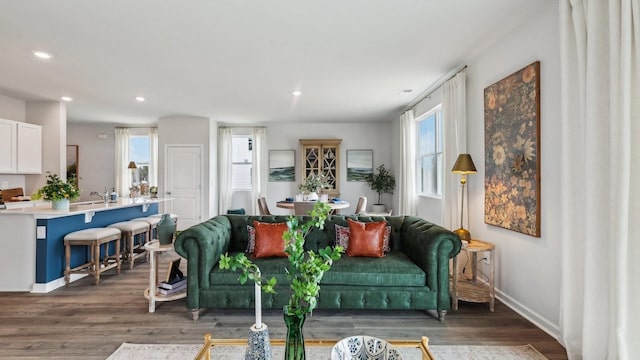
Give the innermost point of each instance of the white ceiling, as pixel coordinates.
(238, 61)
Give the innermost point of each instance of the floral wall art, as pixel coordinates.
(512, 152)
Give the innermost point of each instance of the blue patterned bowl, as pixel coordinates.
(364, 347)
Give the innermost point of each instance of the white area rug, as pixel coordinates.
(128, 351)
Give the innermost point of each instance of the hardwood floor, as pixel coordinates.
(85, 321)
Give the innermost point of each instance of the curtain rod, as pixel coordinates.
(431, 89)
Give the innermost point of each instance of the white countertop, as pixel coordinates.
(82, 207)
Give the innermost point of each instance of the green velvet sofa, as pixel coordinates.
(414, 275)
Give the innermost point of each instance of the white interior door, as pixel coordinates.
(183, 183)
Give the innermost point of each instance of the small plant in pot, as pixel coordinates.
(314, 183)
(58, 191)
(382, 182)
(304, 272)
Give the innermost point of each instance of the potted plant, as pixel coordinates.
(314, 183)
(305, 270)
(57, 191)
(382, 182)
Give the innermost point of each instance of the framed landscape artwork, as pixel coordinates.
(512, 152)
(282, 165)
(359, 164)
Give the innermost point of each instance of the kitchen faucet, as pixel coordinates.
(104, 197)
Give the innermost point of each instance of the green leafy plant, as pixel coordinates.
(383, 182)
(315, 182)
(57, 189)
(306, 268)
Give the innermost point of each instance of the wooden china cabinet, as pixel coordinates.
(322, 156)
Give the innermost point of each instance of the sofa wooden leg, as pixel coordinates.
(195, 313)
(441, 314)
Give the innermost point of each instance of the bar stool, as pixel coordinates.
(129, 230)
(93, 238)
(153, 223)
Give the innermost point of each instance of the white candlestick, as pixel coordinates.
(258, 302)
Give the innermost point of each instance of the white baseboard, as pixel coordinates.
(40, 288)
(539, 321)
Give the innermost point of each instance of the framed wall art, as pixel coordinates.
(282, 165)
(359, 164)
(512, 152)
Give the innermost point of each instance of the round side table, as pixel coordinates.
(154, 248)
(471, 289)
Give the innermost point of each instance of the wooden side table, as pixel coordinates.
(154, 248)
(471, 289)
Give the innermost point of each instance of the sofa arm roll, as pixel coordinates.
(202, 245)
(430, 247)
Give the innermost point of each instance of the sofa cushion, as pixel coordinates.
(269, 241)
(395, 269)
(342, 237)
(366, 239)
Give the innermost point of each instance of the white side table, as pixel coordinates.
(471, 289)
(154, 248)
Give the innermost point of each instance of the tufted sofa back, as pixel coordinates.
(317, 239)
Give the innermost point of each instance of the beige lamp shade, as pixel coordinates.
(464, 165)
(132, 165)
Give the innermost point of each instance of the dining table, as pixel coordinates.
(334, 205)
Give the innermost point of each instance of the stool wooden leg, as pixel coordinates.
(132, 259)
(96, 262)
(118, 255)
(67, 269)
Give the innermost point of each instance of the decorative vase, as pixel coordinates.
(313, 196)
(166, 228)
(60, 204)
(258, 344)
(294, 345)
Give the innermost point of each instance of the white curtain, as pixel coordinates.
(259, 169)
(600, 162)
(407, 177)
(123, 175)
(153, 166)
(225, 167)
(454, 113)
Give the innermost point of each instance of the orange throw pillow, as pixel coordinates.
(366, 239)
(269, 241)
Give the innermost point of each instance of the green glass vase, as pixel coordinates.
(294, 345)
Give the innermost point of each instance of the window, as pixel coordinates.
(430, 153)
(241, 167)
(140, 153)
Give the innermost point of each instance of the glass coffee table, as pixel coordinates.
(315, 349)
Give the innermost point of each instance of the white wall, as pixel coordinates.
(52, 116)
(375, 136)
(96, 157)
(528, 268)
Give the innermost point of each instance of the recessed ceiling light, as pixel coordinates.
(140, 99)
(297, 93)
(42, 54)
(66, 98)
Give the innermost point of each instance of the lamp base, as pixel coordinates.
(463, 234)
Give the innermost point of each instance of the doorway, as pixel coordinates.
(183, 183)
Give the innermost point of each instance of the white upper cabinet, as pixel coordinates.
(8, 146)
(29, 148)
(20, 148)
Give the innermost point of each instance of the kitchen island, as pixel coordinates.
(32, 239)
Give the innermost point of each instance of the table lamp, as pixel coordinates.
(464, 165)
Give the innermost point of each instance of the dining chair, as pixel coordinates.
(303, 207)
(362, 205)
(263, 209)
